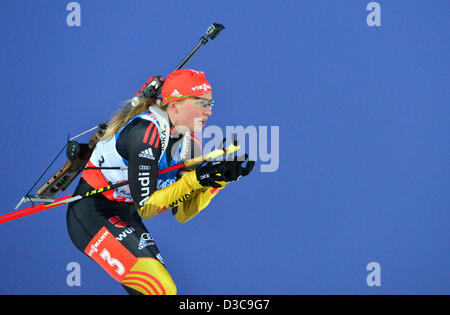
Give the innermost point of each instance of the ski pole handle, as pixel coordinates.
(195, 161)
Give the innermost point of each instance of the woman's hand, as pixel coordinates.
(210, 173)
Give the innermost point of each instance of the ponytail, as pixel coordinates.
(123, 116)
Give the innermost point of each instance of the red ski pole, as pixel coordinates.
(70, 198)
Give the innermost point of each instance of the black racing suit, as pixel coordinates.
(113, 234)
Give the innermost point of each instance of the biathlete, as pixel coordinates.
(150, 136)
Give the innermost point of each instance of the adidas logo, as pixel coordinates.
(175, 93)
(147, 154)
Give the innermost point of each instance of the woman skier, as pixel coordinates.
(150, 136)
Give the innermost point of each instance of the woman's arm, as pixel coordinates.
(143, 148)
(198, 201)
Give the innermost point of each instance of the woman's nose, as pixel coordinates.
(208, 111)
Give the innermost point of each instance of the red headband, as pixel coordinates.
(185, 82)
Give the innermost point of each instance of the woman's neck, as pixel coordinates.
(173, 122)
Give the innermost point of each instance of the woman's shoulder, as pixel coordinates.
(140, 125)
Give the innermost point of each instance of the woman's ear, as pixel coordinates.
(173, 107)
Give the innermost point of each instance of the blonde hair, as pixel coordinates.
(123, 116)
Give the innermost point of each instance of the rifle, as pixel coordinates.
(78, 154)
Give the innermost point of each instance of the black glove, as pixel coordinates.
(210, 173)
(234, 170)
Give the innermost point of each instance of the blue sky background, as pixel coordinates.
(363, 114)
